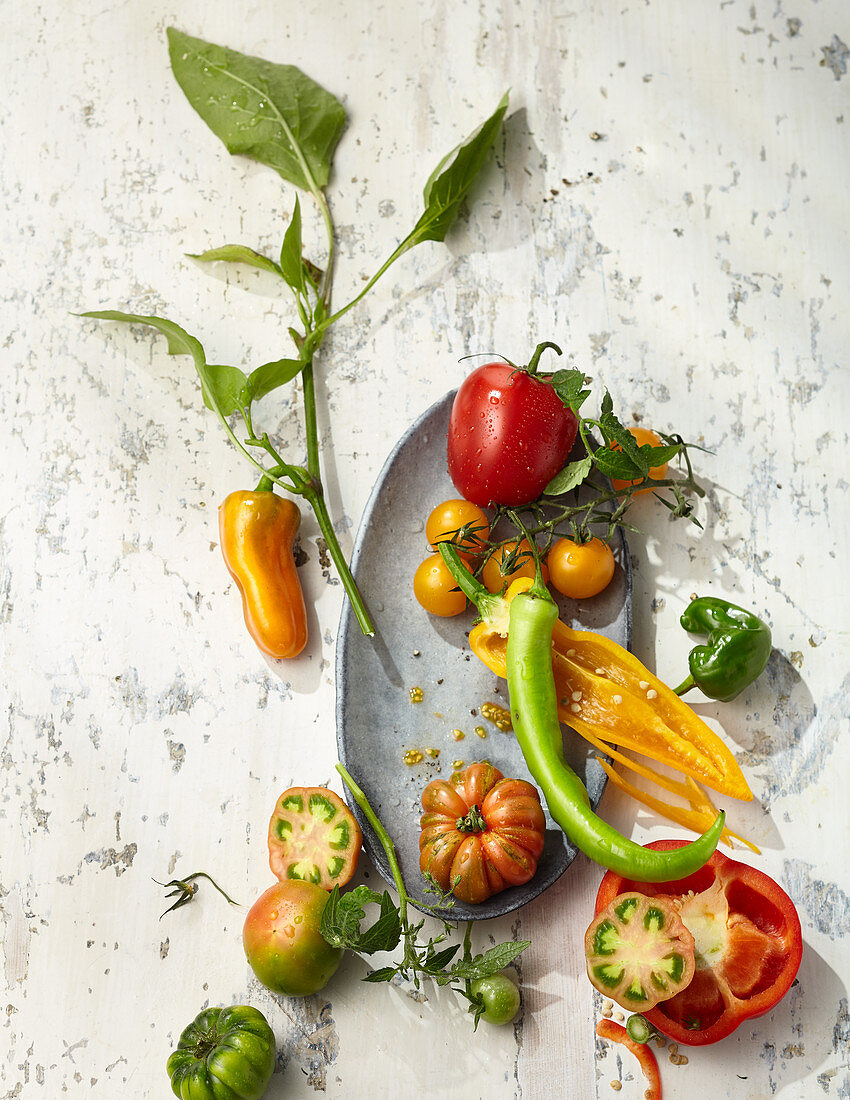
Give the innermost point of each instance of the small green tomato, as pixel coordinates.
(500, 998)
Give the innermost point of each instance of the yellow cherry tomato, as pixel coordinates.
(436, 589)
(448, 518)
(493, 577)
(642, 436)
(580, 570)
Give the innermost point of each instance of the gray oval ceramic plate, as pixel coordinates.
(377, 724)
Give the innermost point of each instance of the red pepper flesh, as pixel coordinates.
(748, 945)
(607, 1029)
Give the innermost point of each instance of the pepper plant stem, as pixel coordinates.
(315, 498)
(308, 384)
(685, 685)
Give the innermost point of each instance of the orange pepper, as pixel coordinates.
(257, 535)
(606, 694)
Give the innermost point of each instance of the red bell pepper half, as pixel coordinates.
(748, 945)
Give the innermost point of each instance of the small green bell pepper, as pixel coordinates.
(736, 651)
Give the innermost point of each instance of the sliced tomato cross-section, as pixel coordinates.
(313, 836)
(639, 952)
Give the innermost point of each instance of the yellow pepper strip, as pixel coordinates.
(687, 789)
(604, 692)
(697, 818)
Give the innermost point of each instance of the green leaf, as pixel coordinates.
(383, 974)
(292, 264)
(342, 915)
(491, 962)
(437, 961)
(569, 386)
(616, 432)
(572, 475)
(616, 464)
(272, 113)
(269, 376)
(450, 182)
(236, 254)
(224, 389)
(230, 386)
(657, 456)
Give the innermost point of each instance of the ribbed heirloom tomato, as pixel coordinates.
(481, 833)
(509, 434)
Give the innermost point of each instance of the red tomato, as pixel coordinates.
(509, 434)
(282, 940)
(748, 945)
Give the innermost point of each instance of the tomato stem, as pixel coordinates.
(386, 843)
(534, 362)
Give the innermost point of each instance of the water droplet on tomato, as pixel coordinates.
(289, 931)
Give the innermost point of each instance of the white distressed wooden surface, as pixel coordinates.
(671, 205)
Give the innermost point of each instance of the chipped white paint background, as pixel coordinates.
(692, 256)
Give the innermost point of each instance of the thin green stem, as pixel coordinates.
(310, 424)
(686, 685)
(384, 839)
(316, 499)
(327, 284)
(405, 245)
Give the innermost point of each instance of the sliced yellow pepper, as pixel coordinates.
(606, 694)
(699, 816)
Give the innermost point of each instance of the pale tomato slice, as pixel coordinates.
(639, 952)
(314, 837)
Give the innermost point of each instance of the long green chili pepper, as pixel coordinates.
(736, 652)
(534, 710)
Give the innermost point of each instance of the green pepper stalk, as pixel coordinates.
(534, 710)
(736, 652)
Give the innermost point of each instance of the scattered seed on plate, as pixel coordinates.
(458, 735)
(479, 731)
(413, 756)
(416, 695)
(457, 764)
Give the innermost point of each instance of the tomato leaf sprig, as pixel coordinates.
(277, 115)
(619, 457)
(344, 914)
(186, 888)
